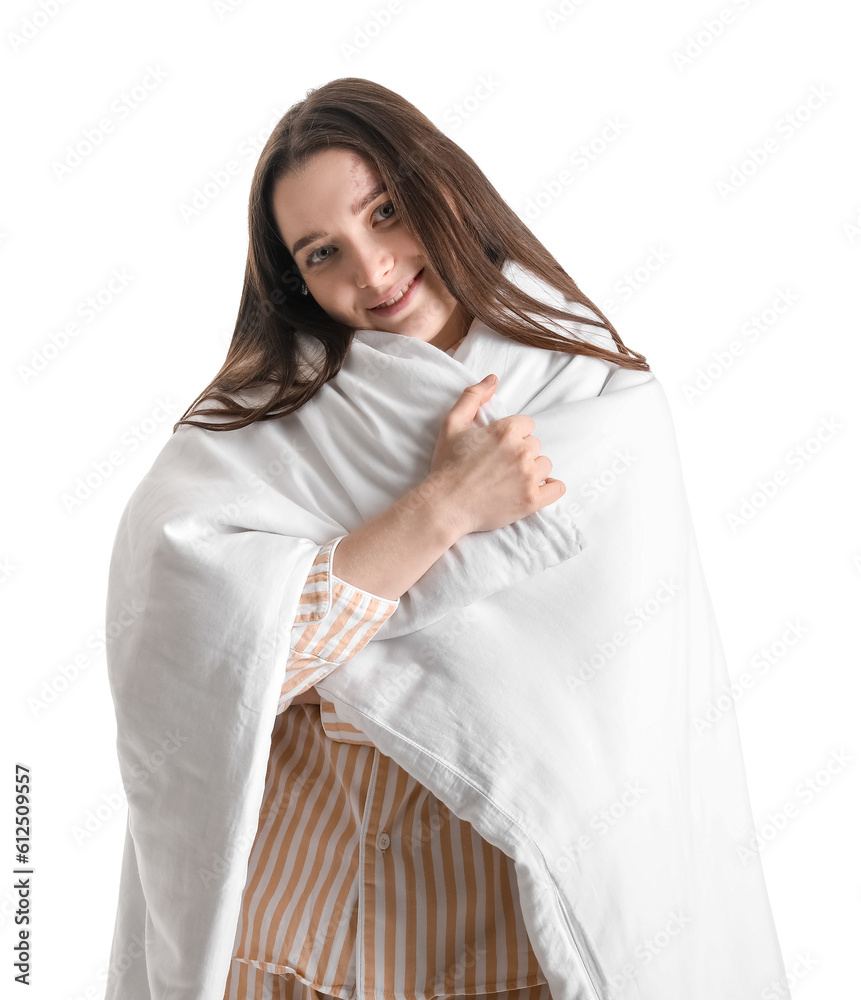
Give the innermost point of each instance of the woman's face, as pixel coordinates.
(354, 252)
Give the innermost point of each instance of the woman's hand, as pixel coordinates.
(488, 477)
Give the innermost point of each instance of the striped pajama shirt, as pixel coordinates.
(361, 883)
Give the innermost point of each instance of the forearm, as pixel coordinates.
(389, 553)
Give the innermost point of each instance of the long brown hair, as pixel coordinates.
(453, 212)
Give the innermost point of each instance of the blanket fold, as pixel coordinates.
(543, 680)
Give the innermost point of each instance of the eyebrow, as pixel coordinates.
(355, 209)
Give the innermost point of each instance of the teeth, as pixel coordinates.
(398, 297)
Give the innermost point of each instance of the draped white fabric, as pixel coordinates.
(544, 680)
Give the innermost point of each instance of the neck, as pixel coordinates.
(461, 328)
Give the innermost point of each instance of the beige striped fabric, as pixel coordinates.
(361, 883)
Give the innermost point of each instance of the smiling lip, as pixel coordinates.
(407, 296)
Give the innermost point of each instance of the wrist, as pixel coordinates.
(436, 499)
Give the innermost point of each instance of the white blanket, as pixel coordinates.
(546, 680)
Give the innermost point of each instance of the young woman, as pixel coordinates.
(380, 734)
(364, 216)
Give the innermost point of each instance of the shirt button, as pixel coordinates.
(383, 841)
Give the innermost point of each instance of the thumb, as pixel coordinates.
(464, 410)
(487, 386)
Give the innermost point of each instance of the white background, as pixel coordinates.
(674, 229)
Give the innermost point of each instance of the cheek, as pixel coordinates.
(347, 304)
(341, 305)
(436, 289)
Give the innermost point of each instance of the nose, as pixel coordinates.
(373, 263)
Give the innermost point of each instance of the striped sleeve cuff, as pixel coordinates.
(335, 620)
